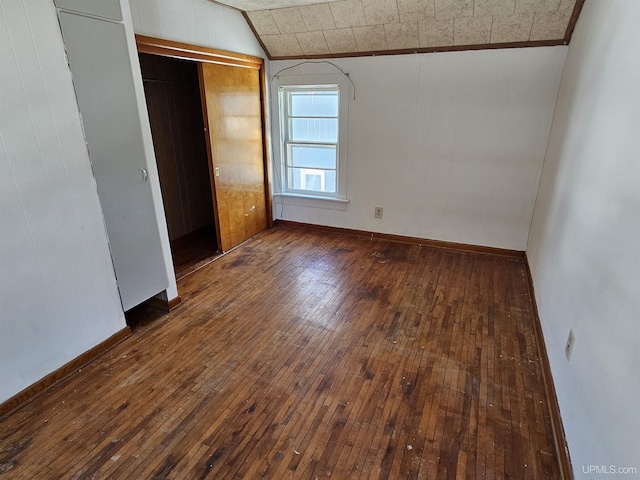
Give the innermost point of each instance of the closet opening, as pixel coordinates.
(173, 97)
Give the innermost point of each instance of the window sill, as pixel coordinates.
(313, 201)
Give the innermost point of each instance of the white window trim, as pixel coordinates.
(313, 201)
(287, 144)
(340, 200)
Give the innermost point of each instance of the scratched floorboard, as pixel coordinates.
(308, 355)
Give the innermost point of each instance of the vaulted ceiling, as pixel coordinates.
(316, 28)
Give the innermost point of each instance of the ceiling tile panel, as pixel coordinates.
(320, 27)
(283, 45)
(435, 33)
(525, 6)
(317, 17)
(263, 22)
(494, 7)
(446, 9)
(289, 20)
(512, 28)
(402, 35)
(270, 43)
(567, 5)
(253, 5)
(348, 13)
(411, 10)
(340, 40)
(312, 43)
(472, 30)
(370, 38)
(379, 12)
(549, 26)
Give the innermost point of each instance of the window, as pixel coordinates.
(309, 134)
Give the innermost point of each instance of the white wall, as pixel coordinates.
(58, 296)
(583, 248)
(198, 22)
(450, 144)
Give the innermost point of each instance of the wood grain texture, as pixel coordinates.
(162, 304)
(232, 99)
(266, 148)
(306, 354)
(212, 57)
(175, 114)
(410, 51)
(61, 373)
(170, 48)
(193, 251)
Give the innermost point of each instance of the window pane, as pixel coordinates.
(314, 104)
(330, 181)
(310, 138)
(312, 180)
(312, 156)
(313, 129)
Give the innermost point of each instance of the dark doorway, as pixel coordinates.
(175, 112)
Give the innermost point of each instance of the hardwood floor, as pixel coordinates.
(194, 251)
(309, 355)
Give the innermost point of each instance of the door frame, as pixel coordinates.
(184, 51)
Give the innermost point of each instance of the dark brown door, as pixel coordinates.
(233, 118)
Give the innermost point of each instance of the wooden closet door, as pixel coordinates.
(233, 117)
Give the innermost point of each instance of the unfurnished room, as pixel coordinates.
(305, 239)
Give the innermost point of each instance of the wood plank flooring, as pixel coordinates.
(308, 355)
(194, 251)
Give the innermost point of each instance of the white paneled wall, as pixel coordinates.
(450, 144)
(58, 296)
(584, 240)
(198, 22)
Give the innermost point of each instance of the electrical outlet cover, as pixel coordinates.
(568, 348)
